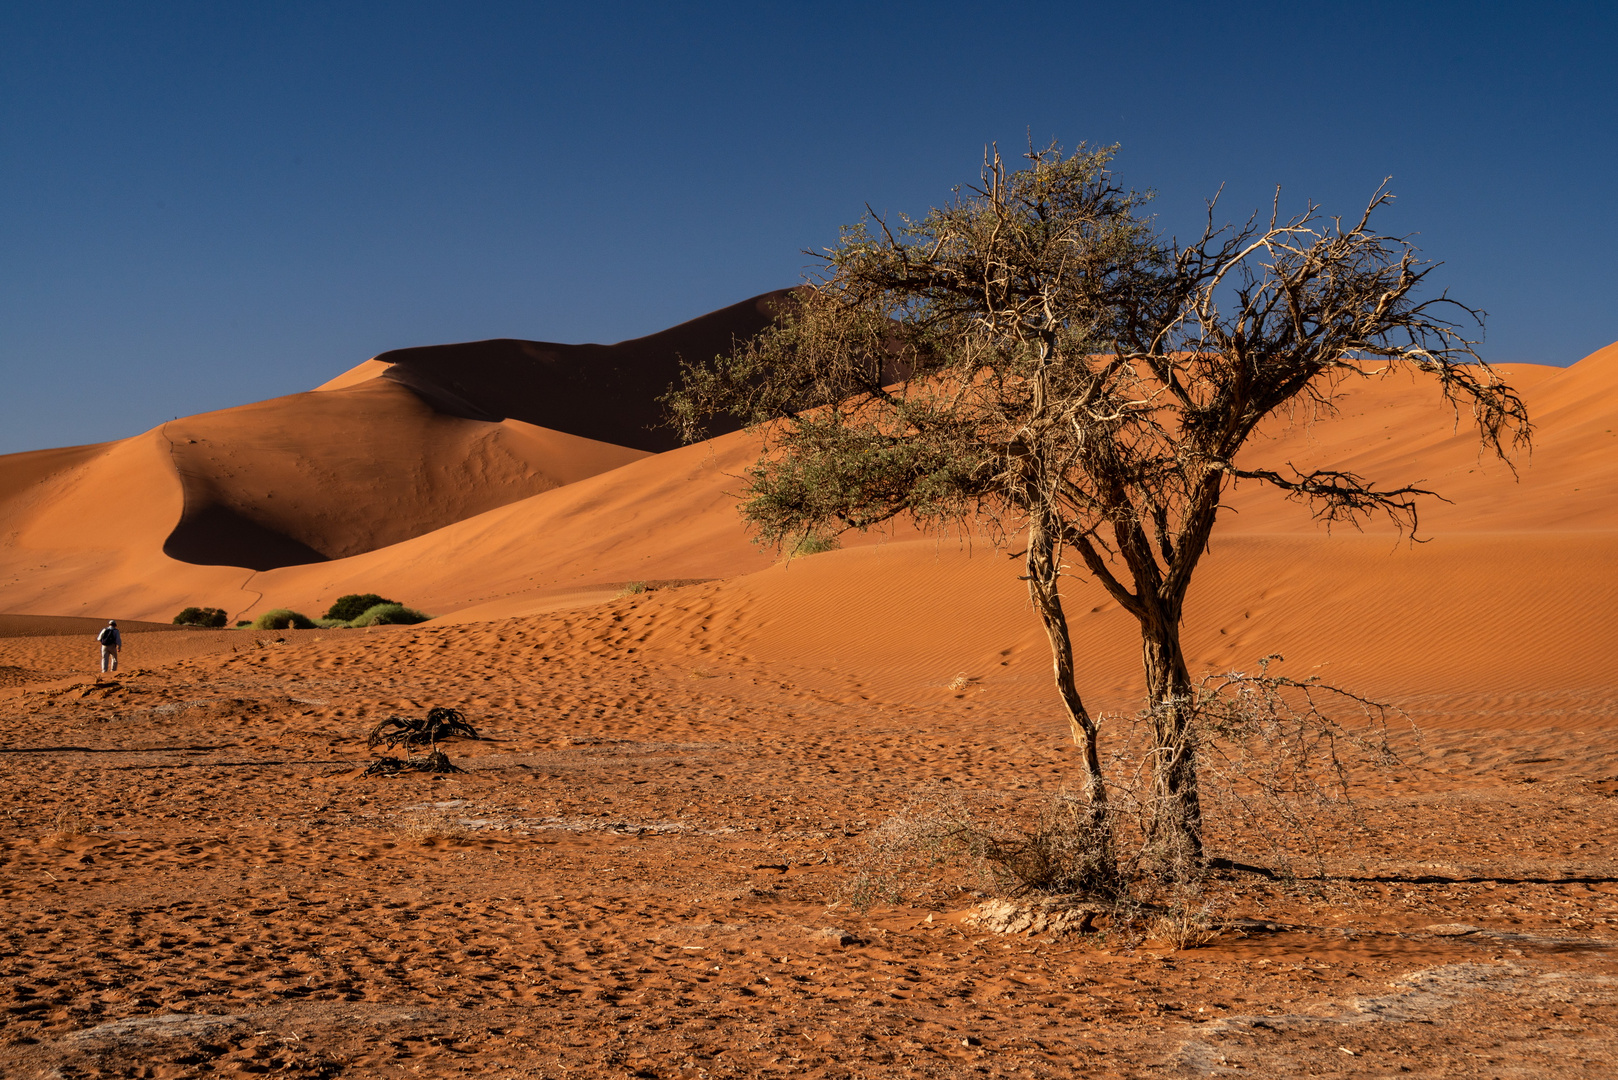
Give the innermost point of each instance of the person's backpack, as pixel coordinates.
(108, 636)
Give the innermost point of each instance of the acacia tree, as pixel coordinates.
(1031, 359)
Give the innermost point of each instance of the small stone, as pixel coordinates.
(1051, 915)
(1451, 929)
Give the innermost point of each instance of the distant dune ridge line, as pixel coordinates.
(445, 433)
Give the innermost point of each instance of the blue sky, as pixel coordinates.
(207, 204)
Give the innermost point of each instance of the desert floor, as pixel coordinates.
(646, 869)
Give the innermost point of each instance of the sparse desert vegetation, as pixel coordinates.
(283, 619)
(376, 612)
(814, 543)
(212, 618)
(351, 606)
(389, 614)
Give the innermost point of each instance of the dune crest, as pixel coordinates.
(364, 371)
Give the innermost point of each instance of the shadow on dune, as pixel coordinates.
(604, 392)
(212, 534)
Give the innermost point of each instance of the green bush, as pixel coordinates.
(211, 617)
(332, 624)
(390, 614)
(351, 607)
(814, 544)
(283, 619)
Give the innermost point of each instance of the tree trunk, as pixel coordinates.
(1176, 819)
(1043, 571)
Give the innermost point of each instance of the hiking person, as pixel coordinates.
(111, 641)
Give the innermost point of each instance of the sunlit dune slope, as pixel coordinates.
(671, 516)
(1398, 431)
(327, 475)
(21, 474)
(1509, 628)
(298, 479)
(89, 540)
(86, 537)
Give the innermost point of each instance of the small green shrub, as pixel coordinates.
(814, 544)
(390, 614)
(332, 624)
(211, 617)
(351, 607)
(244, 623)
(283, 619)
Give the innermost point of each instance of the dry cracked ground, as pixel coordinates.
(646, 870)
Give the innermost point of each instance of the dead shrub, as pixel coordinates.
(1184, 924)
(68, 825)
(1047, 844)
(1059, 849)
(1274, 764)
(1274, 770)
(423, 824)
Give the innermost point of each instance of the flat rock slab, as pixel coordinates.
(163, 1026)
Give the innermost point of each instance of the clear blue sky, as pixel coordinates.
(207, 204)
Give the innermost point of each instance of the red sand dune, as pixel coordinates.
(1508, 606)
(361, 463)
(16, 626)
(399, 446)
(326, 475)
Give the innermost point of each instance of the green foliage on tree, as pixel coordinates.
(1032, 360)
